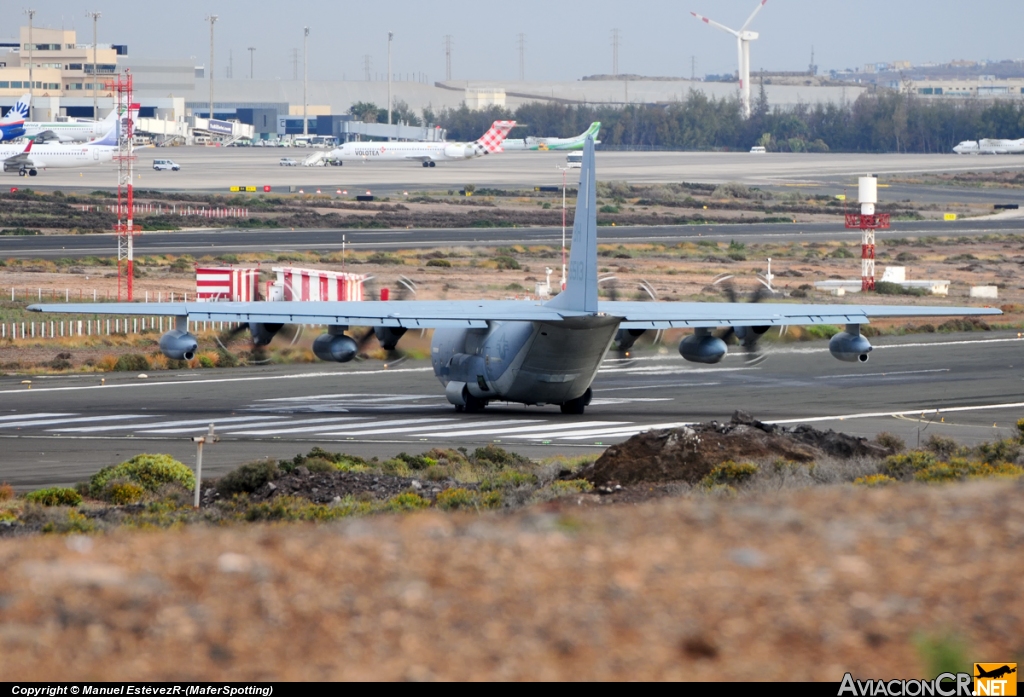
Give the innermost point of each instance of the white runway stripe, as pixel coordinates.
(43, 415)
(355, 397)
(423, 430)
(198, 422)
(284, 423)
(613, 432)
(335, 423)
(83, 419)
(538, 427)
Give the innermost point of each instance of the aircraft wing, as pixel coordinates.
(16, 161)
(411, 314)
(667, 315)
(45, 136)
(420, 314)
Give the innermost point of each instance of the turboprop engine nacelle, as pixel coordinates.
(702, 347)
(335, 347)
(850, 345)
(457, 151)
(262, 334)
(178, 345)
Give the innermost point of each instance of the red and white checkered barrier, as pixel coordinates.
(309, 284)
(226, 283)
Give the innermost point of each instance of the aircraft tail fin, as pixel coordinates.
(110, 139)
(19, 112)
(580, 292)
(495, 136)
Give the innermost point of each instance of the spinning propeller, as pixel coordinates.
(747, 337)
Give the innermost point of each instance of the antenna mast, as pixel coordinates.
(125, 228)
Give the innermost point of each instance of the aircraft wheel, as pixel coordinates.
(21, 173)
(426, 164)
(474, 405)
(578, 406)
(459, 408)
(32, 173)
(433, 164)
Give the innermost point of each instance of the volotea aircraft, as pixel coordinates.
(531, 352)
(34, 157)
(427, 153)
(534, 143)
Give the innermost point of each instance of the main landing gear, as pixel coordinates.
(30, 172)
(430, 164)
(578, 405)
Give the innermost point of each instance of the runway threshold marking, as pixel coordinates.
(905, 412)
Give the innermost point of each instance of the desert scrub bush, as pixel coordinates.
(503, 262)
(1000, 451)
(54, 496)
(339, 461)
(442, 263)
(149, 471)
(491, 456)
(940, 445)
(508, 479)
(729, 473)
(875, 480)
(407, 501)
(451, 499)
(71, 522)
(132, 362)
(124, 493)
(959, 468)
(296, 508)
(906, 464)
(890, 441)
(248, 478)
(405, 462)
(568, 487)
(6, 492)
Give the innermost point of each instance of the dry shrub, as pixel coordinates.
(6, 492)
(875, 480)
(106, 363)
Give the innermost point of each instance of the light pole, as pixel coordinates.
(305, 79)
(208, 437)
(31, 47)
(212, 19)
(95, 109)
(252, 50)
(391, 35)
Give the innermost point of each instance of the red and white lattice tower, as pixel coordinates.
(125, 158)
(867, 222)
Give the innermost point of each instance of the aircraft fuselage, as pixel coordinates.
(527, 362)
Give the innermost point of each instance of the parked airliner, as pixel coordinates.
(32, 157)
(426, 153)
(535, 143)
(990, 146)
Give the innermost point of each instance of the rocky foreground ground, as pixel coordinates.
(800, 585)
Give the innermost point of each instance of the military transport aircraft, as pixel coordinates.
(524, 351)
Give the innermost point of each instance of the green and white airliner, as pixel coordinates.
(532, 143)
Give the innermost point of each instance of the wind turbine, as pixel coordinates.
(743, 39)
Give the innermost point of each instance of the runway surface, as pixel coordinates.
(245, 241)
(216, 169)
(66, 427)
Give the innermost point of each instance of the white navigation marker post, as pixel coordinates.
(208, 437)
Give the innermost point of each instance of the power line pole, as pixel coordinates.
(615, 51)
(522, 60)
(693, 68)
(95, 109)
(31, 47)
(212, 19)
(391, 35)
(305, 79)
(367, 62)
(252, 50)
(447, 57)
(295, 64)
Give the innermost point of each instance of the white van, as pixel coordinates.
(758, 149)
(166, 164)
(574, 160)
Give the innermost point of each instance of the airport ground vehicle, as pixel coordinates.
(288, 162)
(161, 165)
(758, 149)
(574, 160)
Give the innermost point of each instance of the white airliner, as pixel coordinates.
(426, 153)
(535, 143)
(69, 131)
(990, 146)
(529, 352)
(31, 158)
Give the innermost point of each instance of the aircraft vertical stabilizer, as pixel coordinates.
(580, 292)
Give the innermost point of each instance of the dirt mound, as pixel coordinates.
(690, 453)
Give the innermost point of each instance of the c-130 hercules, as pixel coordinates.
(531, 352)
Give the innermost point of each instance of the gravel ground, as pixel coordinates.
(799, 586)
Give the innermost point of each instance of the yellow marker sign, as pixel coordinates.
(995, 679)
(840, 197)
(949, 216)
(249, 189)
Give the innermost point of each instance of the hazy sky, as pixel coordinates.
(565, 39)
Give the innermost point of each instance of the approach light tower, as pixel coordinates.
(125, 228)
(867, 222)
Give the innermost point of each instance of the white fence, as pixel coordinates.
(54, 329)
(158, 209)
(84, 293)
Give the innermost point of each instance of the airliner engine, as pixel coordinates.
(702, 347)
(458, 150)
(178, 345)
(850, 345)
(335, 347)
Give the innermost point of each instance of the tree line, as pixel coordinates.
(882, 121)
